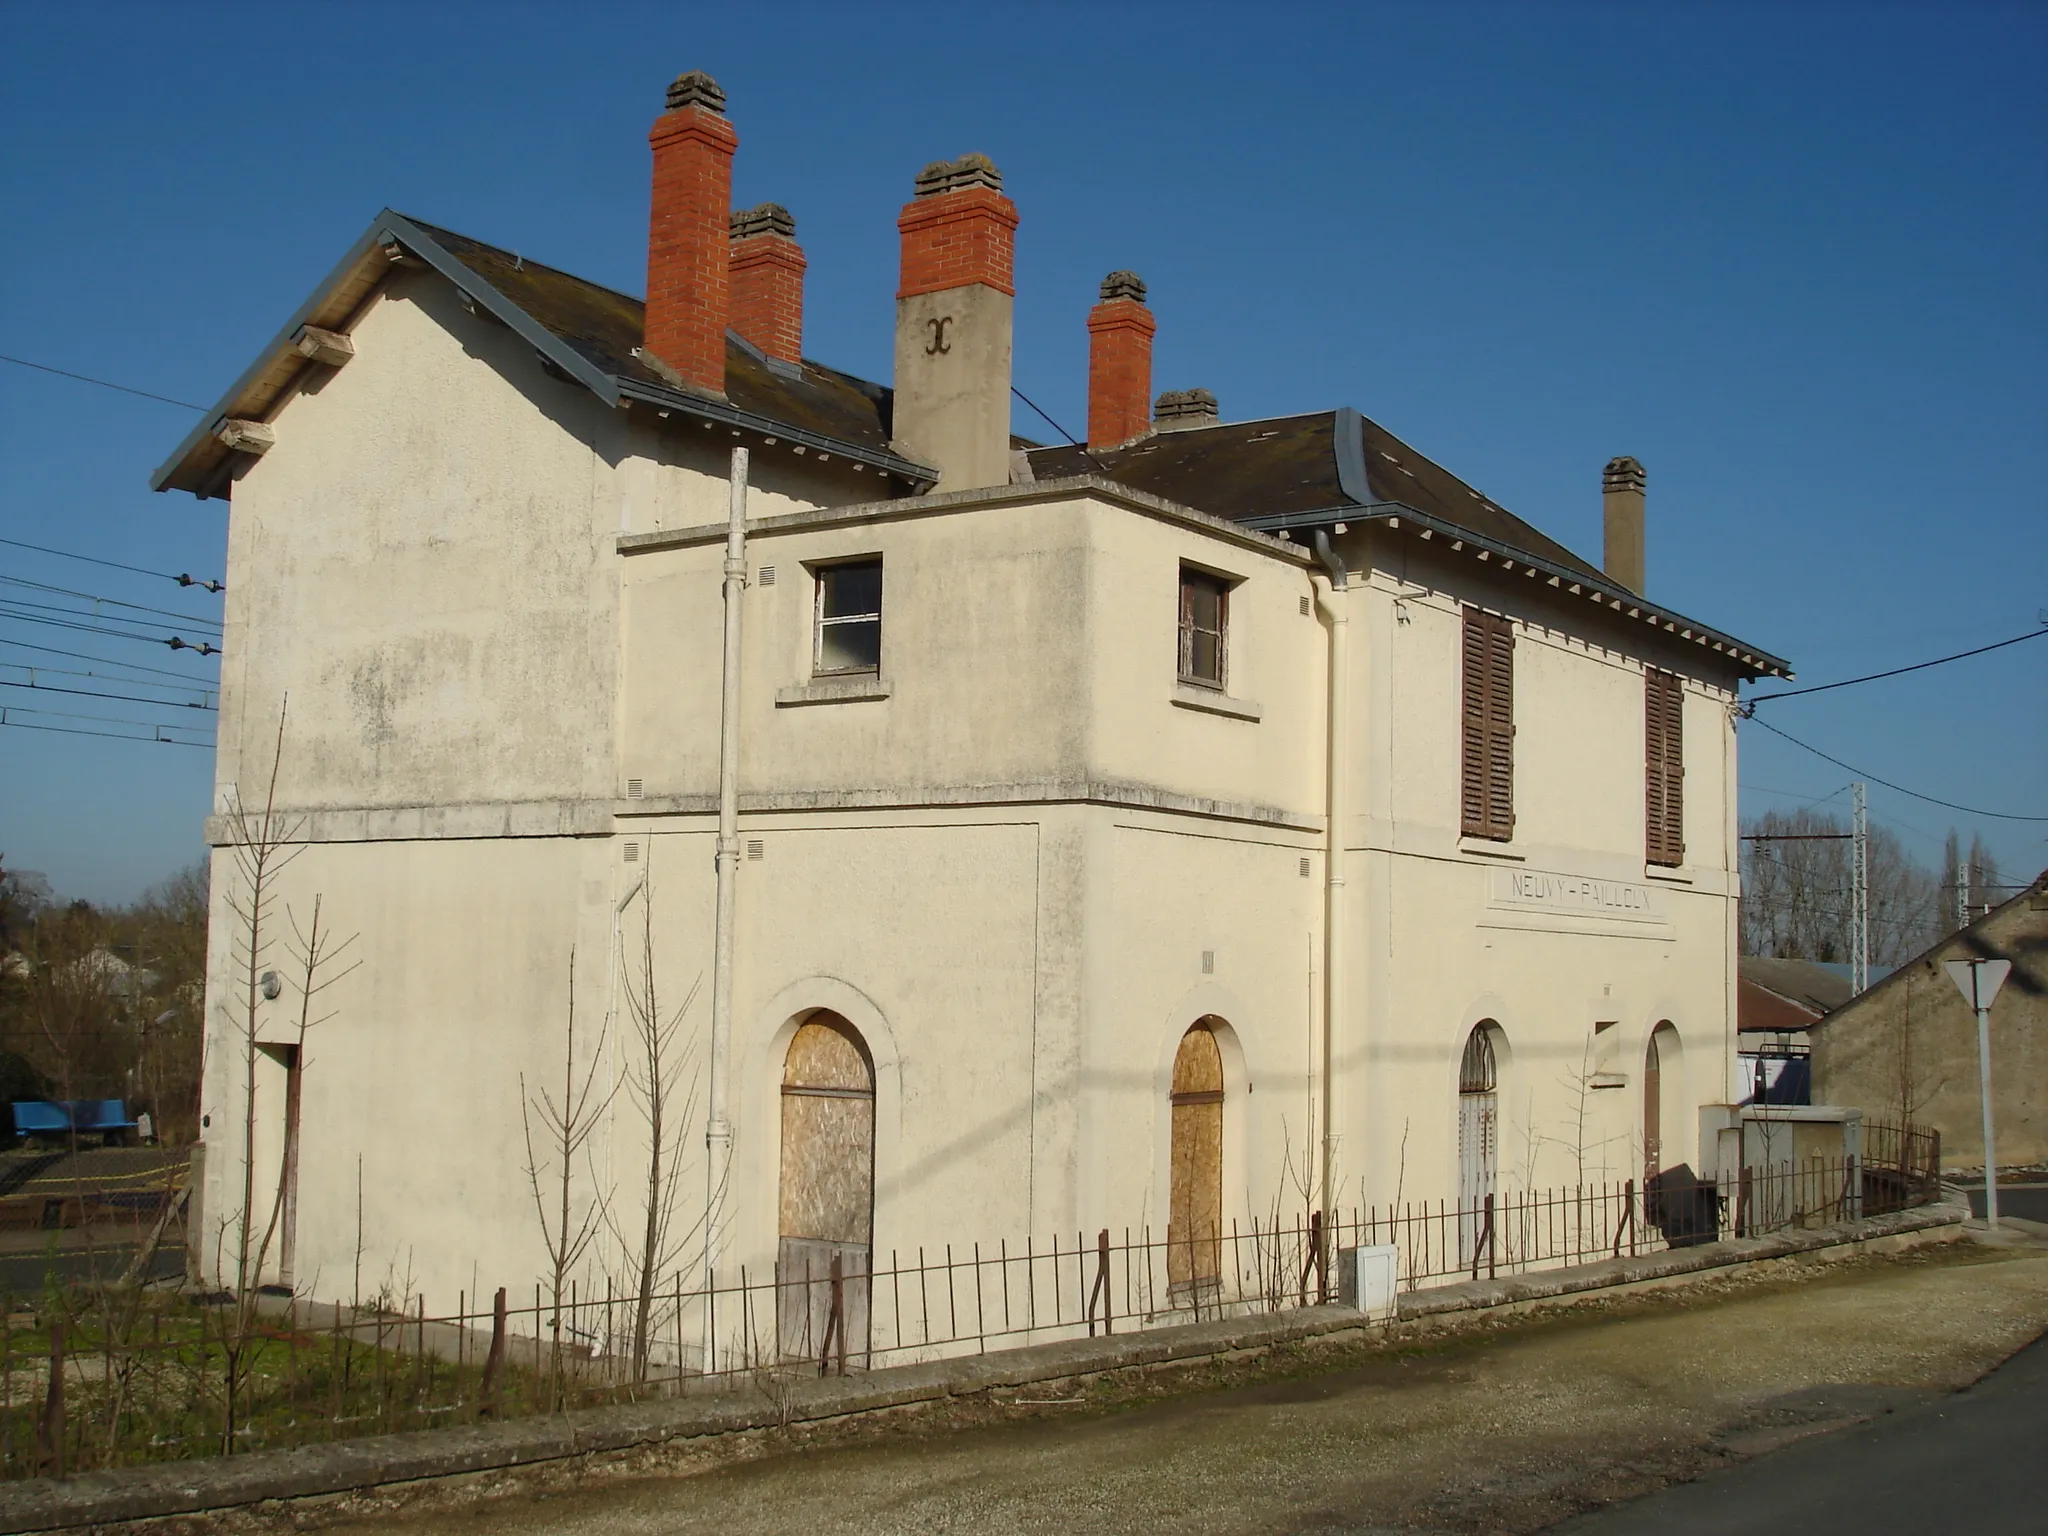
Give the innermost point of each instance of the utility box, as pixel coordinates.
(1369, 1278)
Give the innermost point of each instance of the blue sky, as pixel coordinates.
(1791, 257)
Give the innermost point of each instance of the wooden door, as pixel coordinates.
(1194, 1232)
(1653, 1110)
(1478, 1140)
(827, 1191)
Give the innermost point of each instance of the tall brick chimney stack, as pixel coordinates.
(954, 323)
(1120, 362)
(768, 281)
(688, 290)
(1622, 498)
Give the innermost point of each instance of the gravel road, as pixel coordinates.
(1508, 1430)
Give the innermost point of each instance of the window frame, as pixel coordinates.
(1192, 576)
(821, 572)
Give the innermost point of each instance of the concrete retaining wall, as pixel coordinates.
(192, 1487)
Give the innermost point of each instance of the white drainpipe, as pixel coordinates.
(718, 1129)
(1335, 610)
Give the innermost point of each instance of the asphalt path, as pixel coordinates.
(1969, 1461)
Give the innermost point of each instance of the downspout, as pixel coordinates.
(718, 1129)
(1337, 616)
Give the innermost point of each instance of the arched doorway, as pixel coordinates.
(1478, 1134)
(827, 1192)
(1194, 1230)
(1662, 1063)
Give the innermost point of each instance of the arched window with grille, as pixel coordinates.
(1478, 1132)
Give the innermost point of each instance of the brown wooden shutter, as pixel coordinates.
(1487, 709)
(1663, 767)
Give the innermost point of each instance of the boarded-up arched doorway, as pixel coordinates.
(1194, 1232)
(1661, 1064)
(1478, 1135)
(827, 1193)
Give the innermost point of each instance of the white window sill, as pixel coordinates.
(1211, 702)
(1669, 874)
(834, 690)
(1487, 848)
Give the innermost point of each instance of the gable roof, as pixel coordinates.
(587, 332)
(1285, 475)
(1779, 994)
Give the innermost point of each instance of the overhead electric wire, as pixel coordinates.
(70, 730)
(59, 714)
(175, 642)
(35, 668)
(201, 683)
(1918, 666)
(1063, 432)
(88, 693)
(86, 378)
(112, 602)
(1915, 794)
(181, 579)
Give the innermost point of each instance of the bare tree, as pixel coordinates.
(566, 1125)
(1797, 891)
(662, 1083)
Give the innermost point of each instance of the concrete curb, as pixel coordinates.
(194, 1487)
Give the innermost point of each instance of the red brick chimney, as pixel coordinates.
(768, 281)
(1120, 362)
(687, 233)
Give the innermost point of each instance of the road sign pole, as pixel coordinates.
(1979, 981)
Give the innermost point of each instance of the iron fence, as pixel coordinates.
(109, 1376)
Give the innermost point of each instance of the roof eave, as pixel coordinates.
(1610, 595)
(723, 413)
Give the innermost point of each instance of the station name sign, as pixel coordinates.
(1537, 890)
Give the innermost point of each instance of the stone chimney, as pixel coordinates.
(953, 323)
(768, 281)
(1119, 362)
(1621, 490)
(688, 298)
(1182, 410)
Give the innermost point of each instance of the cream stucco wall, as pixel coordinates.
(1021, 869)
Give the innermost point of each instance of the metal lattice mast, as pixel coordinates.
(1861, 888)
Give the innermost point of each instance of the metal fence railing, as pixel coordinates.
(104, 1376)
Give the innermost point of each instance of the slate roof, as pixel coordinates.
(1291, 465)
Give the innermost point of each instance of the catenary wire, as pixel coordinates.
(175, 642)
(88, 693)
(112, 602)
(36, 668)
(131, 666)
(1918, 666)
(86, 378)
(1949, 805)
(70, 730)
(59, 714)
(181, 579)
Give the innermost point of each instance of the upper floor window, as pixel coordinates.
(849, 634)
(1486, 787)
(1663, 768)
(1204, 628)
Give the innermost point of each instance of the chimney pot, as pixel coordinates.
(696, 89)
(1179, 410)
(1622, 488)
(1120, 331)
(943, 176)
(763, 219)
(1123, 285)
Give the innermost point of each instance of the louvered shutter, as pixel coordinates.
(1500, 728)
(1487, 707)
(1473, 708)
(1663, 768)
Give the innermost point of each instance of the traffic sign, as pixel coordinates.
(1978, 980)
